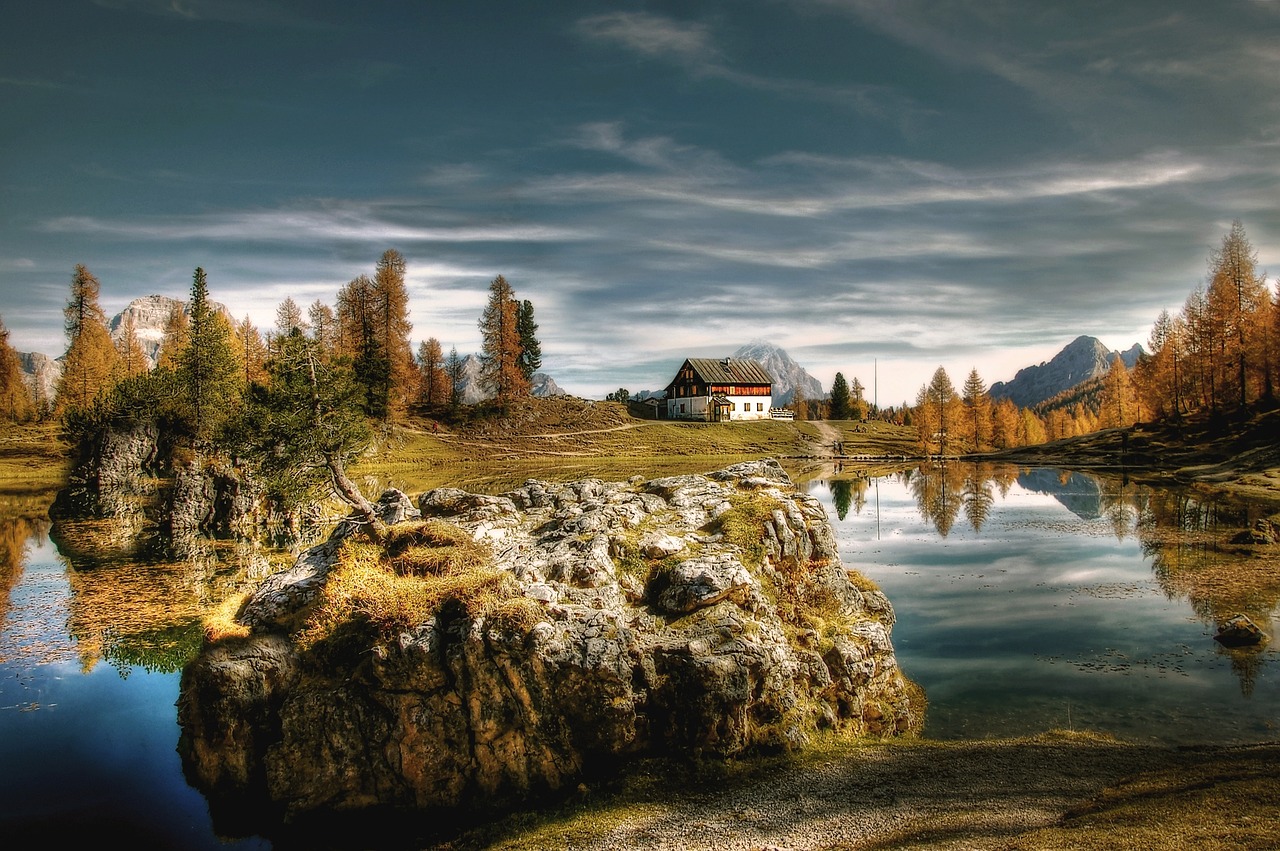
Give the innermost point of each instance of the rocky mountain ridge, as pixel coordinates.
(1080, 360)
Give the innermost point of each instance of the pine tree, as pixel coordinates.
(501, 370)
(306, 427)
(530, 348)
(90, 361)
(1118, 408)
(16, 402)
(358, 341)
(839, 398)
(207, 368)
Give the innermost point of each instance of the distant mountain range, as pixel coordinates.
(1082, 359)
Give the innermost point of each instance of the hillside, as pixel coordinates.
(1082, 359)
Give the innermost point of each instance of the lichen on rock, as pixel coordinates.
(701, 614)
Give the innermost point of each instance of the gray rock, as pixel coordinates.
(649, 633)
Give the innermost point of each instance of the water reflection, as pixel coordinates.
(1027, 597)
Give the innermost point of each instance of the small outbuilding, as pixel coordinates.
(723, 390)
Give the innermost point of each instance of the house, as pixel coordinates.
(720, 390)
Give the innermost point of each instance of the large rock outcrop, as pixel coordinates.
(681, 615)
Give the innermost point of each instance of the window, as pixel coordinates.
(759, 406)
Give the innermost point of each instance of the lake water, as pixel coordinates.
(1026, 600)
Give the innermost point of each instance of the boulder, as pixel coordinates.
(1239, 631)
(743, 637)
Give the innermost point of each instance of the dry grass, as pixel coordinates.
(394, 588)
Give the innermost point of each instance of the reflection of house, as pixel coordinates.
(720, 390)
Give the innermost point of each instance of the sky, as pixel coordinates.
(881, 187)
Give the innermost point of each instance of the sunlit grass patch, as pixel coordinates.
(382, 590)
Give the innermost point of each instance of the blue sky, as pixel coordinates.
(881, 187)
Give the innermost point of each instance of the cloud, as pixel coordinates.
(691, 46)
(349, 222)
(253, 12)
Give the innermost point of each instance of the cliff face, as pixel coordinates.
(657, 626)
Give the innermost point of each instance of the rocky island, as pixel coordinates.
(493, 649)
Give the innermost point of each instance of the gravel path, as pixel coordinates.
(970, 795)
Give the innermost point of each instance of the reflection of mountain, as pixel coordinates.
(1080, 494)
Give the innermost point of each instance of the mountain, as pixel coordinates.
(544, 386)
(473, 392)
(41, 373)
(787, 375)
(1083, 358)
(150, 313)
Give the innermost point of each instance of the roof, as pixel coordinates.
(730, 371)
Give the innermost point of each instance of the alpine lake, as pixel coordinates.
(1027, 599)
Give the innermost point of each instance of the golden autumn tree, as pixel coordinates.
(132, 360)
(433, 381)
(16, 402)
(251, 352)
(1119, 408)
(391, 305)
(500, 363)
(176, 337)
(977, 405)
(90, 361)
(1238, 298)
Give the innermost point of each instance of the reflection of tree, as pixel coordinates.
(1187, 537)
(842, 496)
(14, 534)
(938, 495)
(978, 497)
(149, 613)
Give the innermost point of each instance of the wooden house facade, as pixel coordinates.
(720, 390)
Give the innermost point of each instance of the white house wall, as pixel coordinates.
(740, 403)
(695, 407)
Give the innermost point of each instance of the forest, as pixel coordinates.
(352, 365)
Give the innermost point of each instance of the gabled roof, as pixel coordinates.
(730, 371)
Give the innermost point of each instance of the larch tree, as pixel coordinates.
(1237, 293)
(251, 352)
(208, 370)
(977, 410)
(131, 360)
(857, 400)
(289, 318)
(433, 382)
(175, 339)
(89, 366)
(530, 347)
(16, 402)
(839, 398)
(391, 308)
(943, 401)
(501, 370)
(324, 327)
(455, 369)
